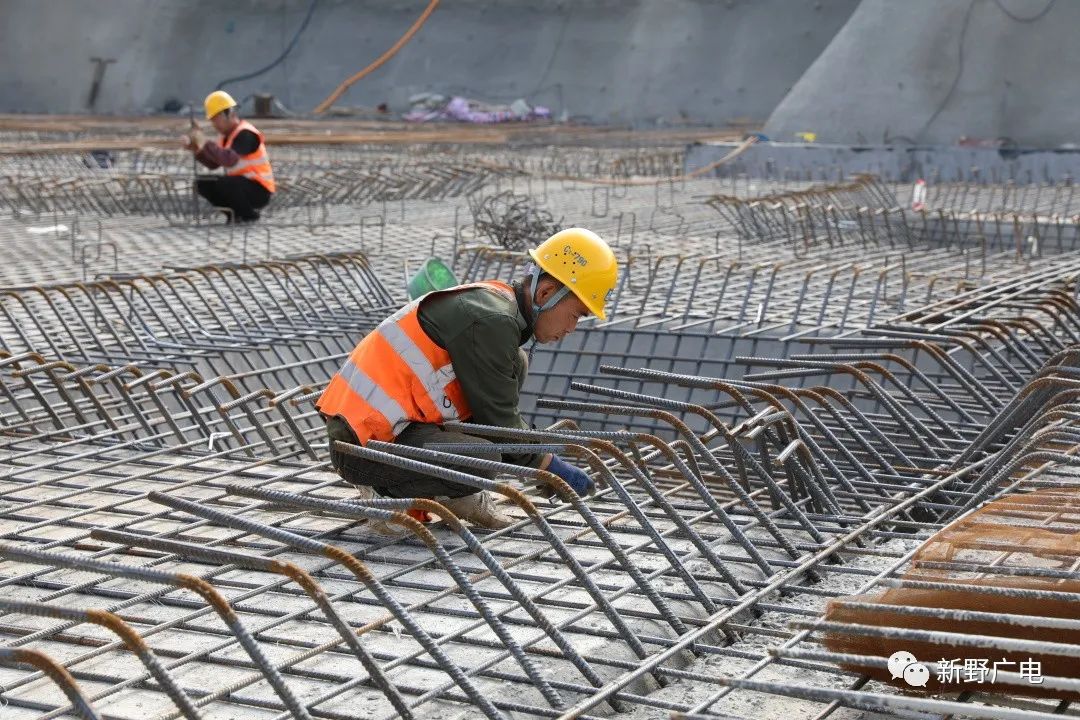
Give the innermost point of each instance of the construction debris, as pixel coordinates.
(511, 221)
(427, 107)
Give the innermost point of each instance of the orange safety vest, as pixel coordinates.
(255, 165)
(397, 375)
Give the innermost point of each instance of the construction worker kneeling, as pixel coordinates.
(456, 355)
(248, 182)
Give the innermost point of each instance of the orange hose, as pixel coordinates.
(328, 102)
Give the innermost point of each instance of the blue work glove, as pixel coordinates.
(575, 478)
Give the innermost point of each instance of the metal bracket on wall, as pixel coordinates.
(99, 75)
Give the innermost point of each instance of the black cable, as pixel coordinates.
(554, 53)
(960, 54)
(1019, 19)
(959, 72)
(282, 56)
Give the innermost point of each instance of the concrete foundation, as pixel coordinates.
(625, 62)
(932, 71)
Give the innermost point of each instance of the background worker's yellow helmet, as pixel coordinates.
(583, 263)
(217, 101)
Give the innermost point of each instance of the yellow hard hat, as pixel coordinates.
(583, 263)
(217, 101)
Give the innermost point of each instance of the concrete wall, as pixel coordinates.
(706, 61)
(822, 162)
(931, 71)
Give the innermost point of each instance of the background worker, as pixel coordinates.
(457, 355)
(248, 182)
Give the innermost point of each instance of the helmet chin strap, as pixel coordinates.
(534, 279)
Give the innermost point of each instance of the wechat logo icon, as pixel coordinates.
(903, 664)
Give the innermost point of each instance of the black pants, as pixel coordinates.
(244, 197)
(394, 482)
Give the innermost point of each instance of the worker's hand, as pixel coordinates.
(196, 139)
(574, 477)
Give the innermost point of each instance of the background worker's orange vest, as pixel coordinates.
(255, 165)
(397, 375)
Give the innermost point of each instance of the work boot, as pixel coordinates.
(363, 492)
(378, 527)
(479, 509)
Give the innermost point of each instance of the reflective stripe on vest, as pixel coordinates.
(397, 375)
(255, 165)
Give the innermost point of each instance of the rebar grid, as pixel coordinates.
(791, 397)
(110, 183)
(973, 611)
(159, 476)
(798, 502)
